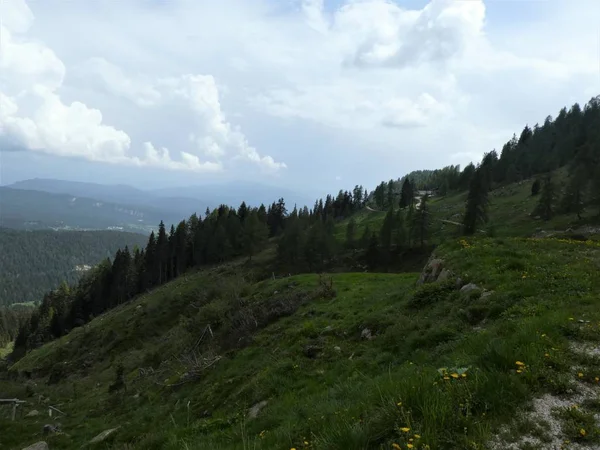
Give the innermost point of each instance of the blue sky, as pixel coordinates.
(305, 94)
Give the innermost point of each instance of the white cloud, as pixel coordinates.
(310, 82)
(32, 74)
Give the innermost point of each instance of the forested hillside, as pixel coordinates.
(34, 262)
(306, 239)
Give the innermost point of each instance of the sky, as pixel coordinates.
(313, 95)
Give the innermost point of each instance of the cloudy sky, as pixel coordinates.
(307, 94)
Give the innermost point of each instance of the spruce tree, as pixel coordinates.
(400, 232)
(407, 194)
(573, 200)
(390, 194)
(387, 229)
(545, 206)
(535, 187)
(372, 251)
(254, 235)
(477, 203)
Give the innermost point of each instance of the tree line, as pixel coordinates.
(306, 238)
(34, 262)
(221, 235)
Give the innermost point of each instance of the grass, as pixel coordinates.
(294, 344)
(509, 214)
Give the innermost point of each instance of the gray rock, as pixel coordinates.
(366, 334)
(337, 348)
(312, 351)
(49, 428)
(459, 283)
(431, 271)
(33, 413)
(255, 410)
(469, 288)
(102, 436)
(487, 294)
(444, 275)
(38, 446)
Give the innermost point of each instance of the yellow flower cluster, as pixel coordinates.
(521, 367)
(412, 442)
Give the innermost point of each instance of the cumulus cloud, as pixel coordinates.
(226, 84)
(33, 115)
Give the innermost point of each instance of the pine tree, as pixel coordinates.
(387, 229)
(400, 232)
(535, 187)
(254, 235)
(407, 194)
(351, 234)
(477, 203)
(390, 193)
(573, 200)
(545, 207)
(372, 251)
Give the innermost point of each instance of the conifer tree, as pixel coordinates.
(535, 187)
(387, 229)
(545, 206)
(407, 194)
(254, 235)
(372, 251)
(477, 203)
(573, 199)
(400, 232)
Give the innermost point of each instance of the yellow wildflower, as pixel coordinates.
(596, 379)
(405, 429)
(519, 363)
(454, 375)
(396, 446)
(305, 442)
(582, 432)
(580, 375)
(464, 375)
(547, 355)
(446, 377)
(409, 445)
(399, 404)
(417, 436)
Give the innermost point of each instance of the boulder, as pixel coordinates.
(49, 428)
(32, 413)
(444, 275)
(38, 446)
(431, 271)
(366, 334)
(255, 410)
(468, 288)
(102, 436)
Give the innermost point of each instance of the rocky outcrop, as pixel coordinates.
(432, 270)
(255, 410)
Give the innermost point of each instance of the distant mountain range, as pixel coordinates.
(46, 203)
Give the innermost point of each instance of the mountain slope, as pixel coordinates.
(26, 209)
(35, 262)
(348, 365)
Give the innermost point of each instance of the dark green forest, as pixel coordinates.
(304, 238)
(34, 262)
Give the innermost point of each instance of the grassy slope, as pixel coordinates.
(353, 393)
(509, 213)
